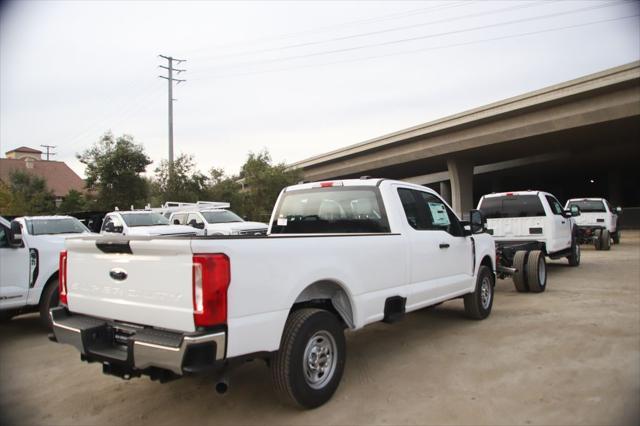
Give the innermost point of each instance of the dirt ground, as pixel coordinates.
(570, 355)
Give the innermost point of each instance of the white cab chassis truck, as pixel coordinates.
(527, 227)
(598, 222)
(29, 258)
(338, 255)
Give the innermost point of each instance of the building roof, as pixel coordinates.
(25, 149)
(59, 177)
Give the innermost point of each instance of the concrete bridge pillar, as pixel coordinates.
(445, 190)
(461, 178)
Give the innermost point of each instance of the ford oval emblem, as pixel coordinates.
(118, 274)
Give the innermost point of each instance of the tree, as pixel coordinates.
(29, 195)
(186, 183)
(74, 201)
(113, 172)
(261, 180)
(6, 199)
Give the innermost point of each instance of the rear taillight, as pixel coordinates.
(62, 278)
(211, 277)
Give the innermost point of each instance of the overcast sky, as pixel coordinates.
(298, 78)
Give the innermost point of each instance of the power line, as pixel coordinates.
(423, 37)
(453, 45)
(49, 148)
(383, 31)
(397, 15)
(170, 79)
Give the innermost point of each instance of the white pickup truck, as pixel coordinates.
(29, 259)
(141, 222)
(217, 222)
(598, 222)
(529, 226)
(340, 254)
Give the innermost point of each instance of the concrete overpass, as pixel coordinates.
(578, 138)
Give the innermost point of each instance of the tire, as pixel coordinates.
(477, 305)
(616, 237)
(605, 240)
(48, 300)
(520, 277)
(294, 368)
(574, 257)
(597, 242)
(536, 272)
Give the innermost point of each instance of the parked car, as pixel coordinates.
(141, 222)
(29, 260)
(340, 254)
(217, 222)
(598, 222)
(529, 226)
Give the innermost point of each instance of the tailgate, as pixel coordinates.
(151, 285)
(515, 227)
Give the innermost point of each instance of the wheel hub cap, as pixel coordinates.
(319, 360)
(485, 293)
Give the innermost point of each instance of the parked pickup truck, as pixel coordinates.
(141, 222)
(210, 221)
(598, 222)
(529, 226)
(29, 259)
(338, 255)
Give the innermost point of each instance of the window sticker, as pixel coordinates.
(282, 221)
(439, 214)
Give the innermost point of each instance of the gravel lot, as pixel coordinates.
(570, 355)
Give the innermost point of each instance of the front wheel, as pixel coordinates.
(574, 257)
(307, 368)
(477, 305)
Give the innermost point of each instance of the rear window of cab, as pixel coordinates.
(333, 210)
(508, 206)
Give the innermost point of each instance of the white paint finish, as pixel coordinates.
(268, 274)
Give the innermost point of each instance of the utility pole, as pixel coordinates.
(170, 79)
(49, 148)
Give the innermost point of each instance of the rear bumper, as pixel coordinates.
(131, 351)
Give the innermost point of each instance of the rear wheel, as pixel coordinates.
(597, 241)
(605, 240)
(520, 278)
(308, 367)
(536, 272)
(477, 305)
(48, 300)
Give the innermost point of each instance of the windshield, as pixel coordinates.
(222, 216)
(335, 210)
(67, 225)
(144, 219)
(589, 206)
(511, 206)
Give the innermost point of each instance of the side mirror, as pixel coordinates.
(109, 227)
(574, 210)
(619, 210)
(193, 223)
(477, 222)
(15, 235)
(118, 229)
(245, 218)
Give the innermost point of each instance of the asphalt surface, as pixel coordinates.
(570, 355)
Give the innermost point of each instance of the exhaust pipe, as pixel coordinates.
(222, 386)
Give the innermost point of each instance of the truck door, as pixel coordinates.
(440, 255)
(14, 272)
(561, 226)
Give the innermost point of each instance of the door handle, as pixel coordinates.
(444, 245)
(563, 221)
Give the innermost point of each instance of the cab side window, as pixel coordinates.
(194, 220)
(426, 212)
(556, 208)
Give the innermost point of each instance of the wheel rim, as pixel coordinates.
(485, 293)
(319, 359)
(542, 272)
